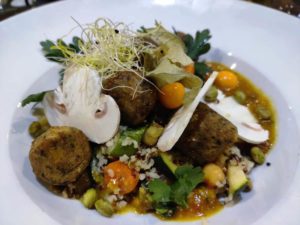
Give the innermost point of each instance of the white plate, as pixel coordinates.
(259, 42)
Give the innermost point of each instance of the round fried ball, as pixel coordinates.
(60, 155)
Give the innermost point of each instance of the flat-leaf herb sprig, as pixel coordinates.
(166, 197)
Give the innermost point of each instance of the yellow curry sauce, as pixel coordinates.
(255, 98)
(203, 201)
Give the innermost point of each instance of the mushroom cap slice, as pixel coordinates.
(248, 128)
(80, 104)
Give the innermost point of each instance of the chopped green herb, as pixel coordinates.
(38, 97)
(161, 191)
(164, 195)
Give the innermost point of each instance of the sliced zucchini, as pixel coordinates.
(152, 134)
(120, 147)
(237, 179)
(168, 160)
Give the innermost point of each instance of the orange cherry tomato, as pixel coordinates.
(190, 68)
(227, 81)
(118, 176)
(172, 95)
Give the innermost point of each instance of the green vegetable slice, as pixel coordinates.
(120, 148)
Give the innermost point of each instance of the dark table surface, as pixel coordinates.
(7, 9)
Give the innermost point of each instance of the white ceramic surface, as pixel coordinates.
(259, 42)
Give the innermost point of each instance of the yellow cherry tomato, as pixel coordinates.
(190, 68)
(118, 175)
(172, 95)
(227, 81)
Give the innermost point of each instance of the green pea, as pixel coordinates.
(212, 94)
(89, 198)
(257, 155)
(240, 97)
(263, 113)
(104, 208)
(35, 129)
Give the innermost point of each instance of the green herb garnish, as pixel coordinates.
(197, 46)
(38, 97)
(166, 196)
(53, 51)
(202, 69)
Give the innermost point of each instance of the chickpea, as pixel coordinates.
(213, 175)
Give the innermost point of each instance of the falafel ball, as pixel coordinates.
(60, 155)
(207, 136)
(134, 106)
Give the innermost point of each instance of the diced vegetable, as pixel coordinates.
(104, 208)
(36, 128)
(97, 177)
(263, 113)
(119, 177)
(152, 134)
(213, 175)
(89, 198)
(257, 155)
(240, 97)
(168, 160)
(172, 95)
(211, 95)
(237, 179)
(190, 68)
(127, 142)
(226, 81)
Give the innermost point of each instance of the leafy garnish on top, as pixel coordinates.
(54, 51)
(165, 195)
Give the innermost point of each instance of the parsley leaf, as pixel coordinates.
(53, 54)
(188, 178)
(202, 69)
(165, 197)
(161, 191)
(189, 173)
(199, 45)
(38, 97)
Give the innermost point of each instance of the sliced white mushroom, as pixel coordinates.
(181, 118)
(239, 115)
(79, 103)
